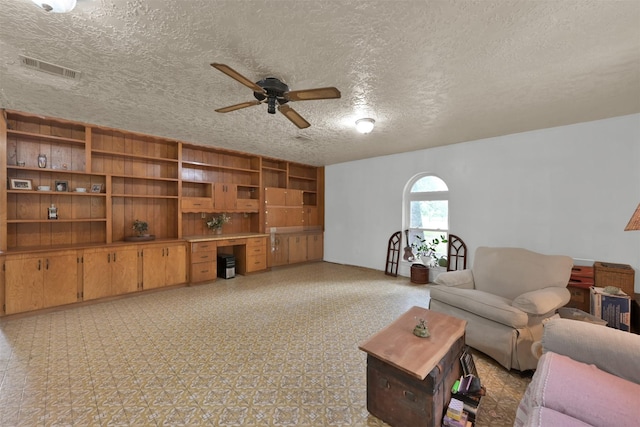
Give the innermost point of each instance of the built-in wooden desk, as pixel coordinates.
(249, 249)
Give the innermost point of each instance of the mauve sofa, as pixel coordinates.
(588, 375)
(505, 298)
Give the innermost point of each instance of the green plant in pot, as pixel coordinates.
(426, 250)
(140, 227)
(215, 223)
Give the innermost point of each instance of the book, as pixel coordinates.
(467, 363)
(454, 411)
(615, 309)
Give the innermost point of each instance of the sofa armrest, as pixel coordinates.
(462, 279)
(542, 301)
(611, 350)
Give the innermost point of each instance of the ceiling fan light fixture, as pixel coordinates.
(56, 6)
(365, 125)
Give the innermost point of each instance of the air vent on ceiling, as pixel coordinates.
(47, 67)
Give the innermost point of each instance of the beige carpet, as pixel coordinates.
(272, 349)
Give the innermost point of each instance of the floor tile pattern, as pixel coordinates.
(271, 349)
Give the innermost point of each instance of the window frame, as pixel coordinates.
(410, 196)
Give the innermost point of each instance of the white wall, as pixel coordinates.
(567, 190)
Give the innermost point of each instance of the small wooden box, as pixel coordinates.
(402, 400)
(579, 283)
(619, 275)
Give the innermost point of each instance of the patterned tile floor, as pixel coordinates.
(272, 349)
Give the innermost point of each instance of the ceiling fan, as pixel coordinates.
(273, 91)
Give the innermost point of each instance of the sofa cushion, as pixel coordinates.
(483, 304)
(545, 417)
(584, 342)
(542, 301)
(583, 392)
(510, 272)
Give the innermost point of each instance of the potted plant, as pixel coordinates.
(215, 223)
(140, 228)
(426, 250)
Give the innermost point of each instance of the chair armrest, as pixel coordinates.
(611, 350)
(462, 279)
(542, 301)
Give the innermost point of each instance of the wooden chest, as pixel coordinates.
(409, 378)
(402, 400)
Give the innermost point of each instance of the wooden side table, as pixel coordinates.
(409, 378)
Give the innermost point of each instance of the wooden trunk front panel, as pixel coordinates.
(402, 400)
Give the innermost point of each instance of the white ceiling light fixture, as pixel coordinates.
(56, 6)
(365, 125)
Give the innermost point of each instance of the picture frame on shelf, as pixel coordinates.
(62, 186)
(20, 184)
(96, 188)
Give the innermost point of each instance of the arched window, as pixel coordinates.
(426, 207)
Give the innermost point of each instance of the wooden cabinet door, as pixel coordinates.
(310, 215)
(294, 197)
(124, 271)
(24, 280)
(153, 267)
(60, 279)
(224, 197)
(315, 248)
(176, 265)
(96, 275)
(295, 217)
(279, 254)
(276, 217)
(275, 196)
(297, 248)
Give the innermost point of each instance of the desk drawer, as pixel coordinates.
(256, 262)
(231, 242)
(203, 247)
(256, 250)
(197, 257)
(203, 271)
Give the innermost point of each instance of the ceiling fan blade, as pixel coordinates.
(238, 106)
(238, 77)
(292, 115)
(311, 94)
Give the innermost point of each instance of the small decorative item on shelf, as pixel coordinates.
(141, 228)
(215, 223)
(42, 161)
(421, 329)
(52, 212)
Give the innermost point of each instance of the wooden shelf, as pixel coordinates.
(210, 166)
(147, 178)
(57, 193)
(303, 178)
(50, 138)
(54, 221)
(267, 168)
(133, 156)
(144, 196)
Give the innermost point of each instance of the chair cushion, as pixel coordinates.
(510, 272)
(483, 304)
(542, 301)
(460, 279)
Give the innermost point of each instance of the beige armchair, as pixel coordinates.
(505, 298)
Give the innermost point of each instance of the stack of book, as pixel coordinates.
(468, 391)
(613, 306)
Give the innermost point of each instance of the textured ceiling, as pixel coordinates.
(429, 72)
